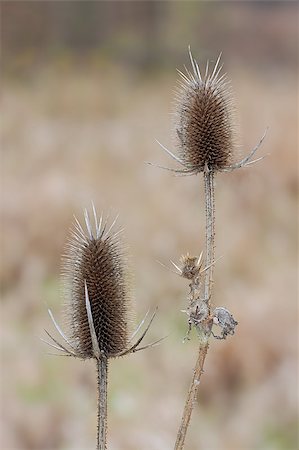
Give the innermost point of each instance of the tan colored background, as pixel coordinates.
(86, 89)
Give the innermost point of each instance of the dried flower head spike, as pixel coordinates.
(97, 280)
(205, 122)
(204, 113)
(98, 303)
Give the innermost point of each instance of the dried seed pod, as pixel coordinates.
(204, 120)
(96, 278)
(224, 319)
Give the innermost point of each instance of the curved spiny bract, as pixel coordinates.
(204, 127)
(96, 274)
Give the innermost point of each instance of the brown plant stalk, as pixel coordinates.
(208, 284)
(97, 305)
(102, 371)
(206, 141)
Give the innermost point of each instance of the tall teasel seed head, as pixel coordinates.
(98, 290)
(204, 125)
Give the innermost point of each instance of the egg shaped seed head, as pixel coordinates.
(204, 119)
(96, 267)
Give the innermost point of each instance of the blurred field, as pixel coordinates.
(73, 132)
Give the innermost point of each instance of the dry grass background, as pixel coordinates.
(75, 133)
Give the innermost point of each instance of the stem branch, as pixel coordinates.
(206, 328)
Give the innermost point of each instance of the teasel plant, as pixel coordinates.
(205, 133)
(98, 304)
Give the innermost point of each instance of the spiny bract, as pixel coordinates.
(204, 120)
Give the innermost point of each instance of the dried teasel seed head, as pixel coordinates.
(190, 266)
(204, 113)
(96, 267)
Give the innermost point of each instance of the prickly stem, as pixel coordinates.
(206, 330)
(210, 234)
(102, 371)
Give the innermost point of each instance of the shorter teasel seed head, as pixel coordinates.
(95, 270)
(97, 291)
(204, 119)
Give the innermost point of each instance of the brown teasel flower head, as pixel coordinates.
(98, 294)
(96, 266)
(205, 123)
(204, 119)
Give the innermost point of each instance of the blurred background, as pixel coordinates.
(86, 89)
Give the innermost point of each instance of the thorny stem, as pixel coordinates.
(204, 345)
(102, 369)
(210, 234)
(191, 397)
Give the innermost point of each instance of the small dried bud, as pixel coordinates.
(204, 120)
(199, 313)
(224, 319)
(190, 266)
(96, 267)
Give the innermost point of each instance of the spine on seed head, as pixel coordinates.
(97, 287)
(204, 112)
